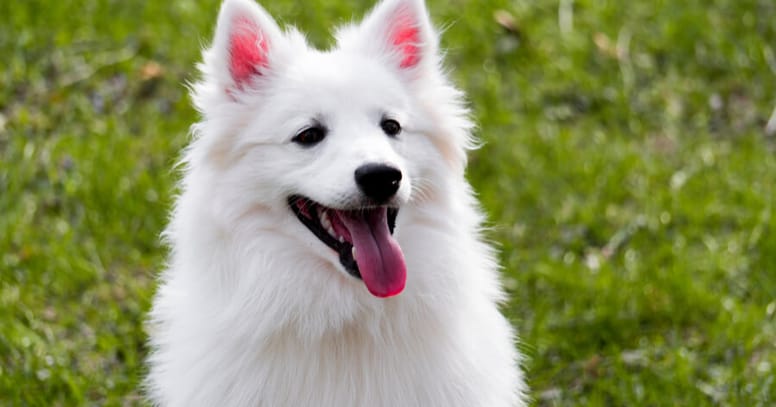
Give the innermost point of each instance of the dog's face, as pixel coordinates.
(340, 141)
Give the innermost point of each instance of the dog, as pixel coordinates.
(325, 246)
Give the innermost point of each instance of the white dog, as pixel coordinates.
(326, 248)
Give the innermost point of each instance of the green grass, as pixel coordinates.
(627, 170)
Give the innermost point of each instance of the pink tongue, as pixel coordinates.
(379, 257)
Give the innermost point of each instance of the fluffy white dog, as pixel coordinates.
(326, 248)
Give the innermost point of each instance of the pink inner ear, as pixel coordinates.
(247, 50)
(405, 35)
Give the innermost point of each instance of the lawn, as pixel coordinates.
(628, 168)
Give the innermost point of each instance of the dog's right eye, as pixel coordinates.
(310, 136)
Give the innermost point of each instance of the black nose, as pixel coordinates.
(379, 182)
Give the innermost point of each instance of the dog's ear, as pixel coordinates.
(400, 32)
(245, 46)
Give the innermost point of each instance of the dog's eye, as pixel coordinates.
(390, 127)
(310, 136)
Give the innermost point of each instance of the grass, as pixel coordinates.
(628, 167)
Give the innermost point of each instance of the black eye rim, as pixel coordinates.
(391, 127)
(310, 136)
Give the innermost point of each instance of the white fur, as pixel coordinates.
(253, 310)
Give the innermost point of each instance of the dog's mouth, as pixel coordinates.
(363, 239)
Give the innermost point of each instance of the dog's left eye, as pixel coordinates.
(390, 127)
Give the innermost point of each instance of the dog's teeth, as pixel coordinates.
(353, 252)
(325, 222)
(341, 239)
(330, 230)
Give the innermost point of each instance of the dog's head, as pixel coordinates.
(340, 141)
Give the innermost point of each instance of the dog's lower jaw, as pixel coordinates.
(363, 240)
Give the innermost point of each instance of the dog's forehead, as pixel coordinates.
(346, 76)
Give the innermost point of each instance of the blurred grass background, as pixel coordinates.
(629, 169)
